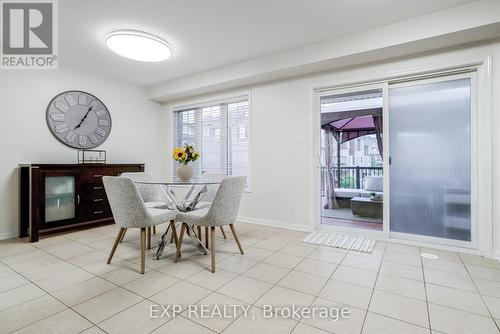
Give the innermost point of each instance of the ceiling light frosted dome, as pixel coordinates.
(138, 45)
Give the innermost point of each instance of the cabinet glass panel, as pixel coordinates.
(59, 198)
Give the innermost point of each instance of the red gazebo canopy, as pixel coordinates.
(350, 124)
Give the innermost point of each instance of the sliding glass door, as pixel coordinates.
(430, 158)
(351, 158)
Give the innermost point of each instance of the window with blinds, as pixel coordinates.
(219, 131)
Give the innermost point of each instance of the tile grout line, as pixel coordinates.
(237, 275)
(93, 274)
(257, 263)
(96, 276)
(425, 291)
(261, 261)
(328, 280)
(49, 294)
(373, 289)
(479, 293)
(291, 269)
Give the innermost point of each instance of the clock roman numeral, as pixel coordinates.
(100, 112)
(56, 116)
(82, 99)
(61, 128)
(70, 99)
(100, 132)
(93, 139)
(70, 137)
(82, 140)
(103, 122)
(61, 106)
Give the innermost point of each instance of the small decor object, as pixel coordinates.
(374, 196)
(78, 119)
(184, 155)
(91, 157)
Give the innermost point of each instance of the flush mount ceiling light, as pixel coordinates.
(138, 45)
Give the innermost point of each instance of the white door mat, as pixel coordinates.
(357, 243)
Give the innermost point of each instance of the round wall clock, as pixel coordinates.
(78, 119)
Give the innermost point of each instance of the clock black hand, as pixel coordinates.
(83, 119)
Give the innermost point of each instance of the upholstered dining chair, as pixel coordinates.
(223, 211)
(209, 197)
(152, 195)
(129, 211)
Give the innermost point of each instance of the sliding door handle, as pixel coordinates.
(318, 161)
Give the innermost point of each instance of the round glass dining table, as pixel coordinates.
(173, 190)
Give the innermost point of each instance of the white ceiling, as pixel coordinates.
(207, 34)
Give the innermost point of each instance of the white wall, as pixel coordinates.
(470, 22)
(281, 153)
(136, 137)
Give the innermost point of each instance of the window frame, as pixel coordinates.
(200, 103)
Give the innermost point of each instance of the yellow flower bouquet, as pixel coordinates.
(185, 154)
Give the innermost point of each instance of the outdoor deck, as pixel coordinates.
(353, 178)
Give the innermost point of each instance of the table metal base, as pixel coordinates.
(192, 235)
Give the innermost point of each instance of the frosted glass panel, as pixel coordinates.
(430, 159)
(59, 198)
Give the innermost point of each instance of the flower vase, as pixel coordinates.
(185, 173)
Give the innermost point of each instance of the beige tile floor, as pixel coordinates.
(63, 285)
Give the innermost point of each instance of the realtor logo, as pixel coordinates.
(29, 34)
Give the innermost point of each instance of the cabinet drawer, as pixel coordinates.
(97, 212)
(129, 169)
(90, 192)
(94, 175)
(96, 187)
(91, 202)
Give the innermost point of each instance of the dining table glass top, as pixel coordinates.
(192, 182)
(183, 201)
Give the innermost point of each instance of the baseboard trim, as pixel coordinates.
(274, 223)
(7, 235)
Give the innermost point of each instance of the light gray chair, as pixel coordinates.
(223, 211)
(152, 195)
(209, 197)
(129, 211)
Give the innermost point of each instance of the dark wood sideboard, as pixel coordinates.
(58, 196)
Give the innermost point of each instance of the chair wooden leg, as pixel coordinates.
(179, 243)
(199, 232)
(233, 230)
(143, 249)
(148, 243)
(212, 247)
(154, 229)
(188, 232)
(172, 239)
(174, 232)
(121, 233)
(206, 237)
(223, 233)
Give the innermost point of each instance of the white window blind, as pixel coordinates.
(219, 131)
